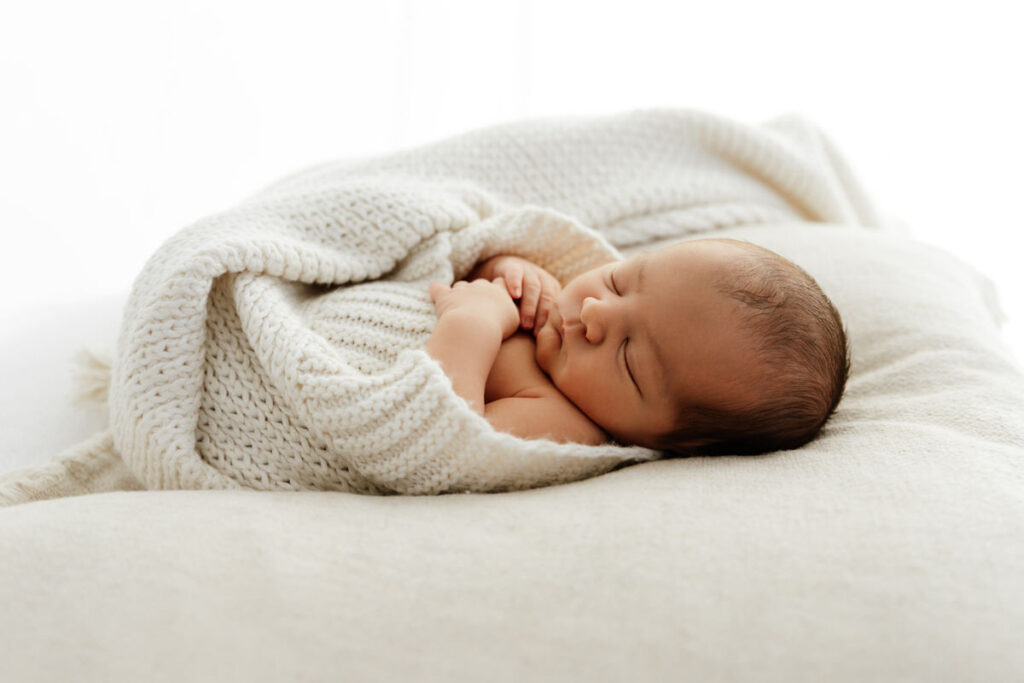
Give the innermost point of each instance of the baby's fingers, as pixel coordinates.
(528, 303)
(543, 308)
(512, 271)
(437, 289)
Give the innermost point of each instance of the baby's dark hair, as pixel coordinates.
(802, 347)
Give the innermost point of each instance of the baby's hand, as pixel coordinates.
(535, 287)
(480, 300)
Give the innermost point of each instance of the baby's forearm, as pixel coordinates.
(466, 348)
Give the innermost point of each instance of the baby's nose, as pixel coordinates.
(590, 316)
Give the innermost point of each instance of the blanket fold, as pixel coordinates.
(278, 345)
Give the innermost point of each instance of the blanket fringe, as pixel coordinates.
(93, 466)
(91, 380)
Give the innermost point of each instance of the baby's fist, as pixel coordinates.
(535, 287)
(489, 303)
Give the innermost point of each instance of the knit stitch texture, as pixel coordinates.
(279, 344)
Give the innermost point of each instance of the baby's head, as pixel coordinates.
(710, 346)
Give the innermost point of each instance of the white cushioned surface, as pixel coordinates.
(891, 548)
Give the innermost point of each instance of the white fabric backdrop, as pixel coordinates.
(124, 121)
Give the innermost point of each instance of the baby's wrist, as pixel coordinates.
(470, 324)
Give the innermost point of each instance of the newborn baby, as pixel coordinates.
(709, 346)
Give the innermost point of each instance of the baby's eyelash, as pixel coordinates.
(629, 371)
(615, 288)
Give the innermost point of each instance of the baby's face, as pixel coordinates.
(630, 341)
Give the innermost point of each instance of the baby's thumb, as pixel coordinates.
(437, 289)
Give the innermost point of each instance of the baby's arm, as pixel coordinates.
(521, 399)
(473, 318)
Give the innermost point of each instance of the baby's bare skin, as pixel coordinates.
(621, 347)
(516, 375)
(491, 364)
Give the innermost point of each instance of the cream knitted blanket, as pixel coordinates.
(278, 345)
